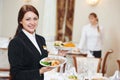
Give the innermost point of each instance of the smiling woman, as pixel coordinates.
(25, 19)
(29, 22)
(25, 50)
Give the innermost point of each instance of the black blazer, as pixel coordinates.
(24, 57)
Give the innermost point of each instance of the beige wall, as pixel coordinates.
(47, 21)
(10, 12)
(109, 17)
(0, 15)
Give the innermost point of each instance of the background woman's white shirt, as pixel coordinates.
(91, 39)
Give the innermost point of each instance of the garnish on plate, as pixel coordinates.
(58, 43)
(51, 63)
(72, 77)
(54, 61)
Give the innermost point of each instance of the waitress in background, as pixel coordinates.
(91, 37)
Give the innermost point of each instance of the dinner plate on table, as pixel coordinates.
(53, 61)
(76, 53)
(100, 78)
(64, 48)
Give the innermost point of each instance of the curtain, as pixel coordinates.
(65, 15)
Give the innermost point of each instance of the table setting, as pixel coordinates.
(69, 72)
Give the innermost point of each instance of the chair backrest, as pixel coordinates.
(4, 65)
(105, 60)
(4, 59)
(87, 63)
(4, 74)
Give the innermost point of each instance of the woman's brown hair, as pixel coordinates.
(24, 9)
(95, 15)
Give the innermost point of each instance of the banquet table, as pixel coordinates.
(52, 75)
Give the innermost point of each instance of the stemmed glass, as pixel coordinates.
(83, 70)
(69, 70)
(61, 76)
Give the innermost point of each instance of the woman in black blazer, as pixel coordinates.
(26, 49)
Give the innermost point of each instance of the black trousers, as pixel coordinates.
(97, 54)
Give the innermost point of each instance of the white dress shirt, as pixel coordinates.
(32, 39)
(91, 39)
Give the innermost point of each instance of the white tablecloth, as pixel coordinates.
(52, 75)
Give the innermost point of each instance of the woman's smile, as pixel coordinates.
(30, 22)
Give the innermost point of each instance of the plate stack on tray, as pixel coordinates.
(64, 45)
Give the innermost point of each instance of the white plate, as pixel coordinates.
(62, 60)
(64, 48)
(100, 78)
(74, 52)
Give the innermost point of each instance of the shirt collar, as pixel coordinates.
(92, 26)
(28, 34)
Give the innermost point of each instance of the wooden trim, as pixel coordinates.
(75, 62)
(99, 65)
(118, 61)
(3, 48)
(104, 61)
(4, 77)
(81, 55)
(4, 69)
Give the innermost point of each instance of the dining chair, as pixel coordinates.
(70, 61)
(90, 63)
(4, 74)
(4, 65)
(104, 60)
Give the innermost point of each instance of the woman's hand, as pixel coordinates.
(62, 52)
(45, 69)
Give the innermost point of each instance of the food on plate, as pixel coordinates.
(58, 43)
(52, 62)
(55, 63)
(46, 63)
(72, 77)
(64, 44)
(69, 44)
